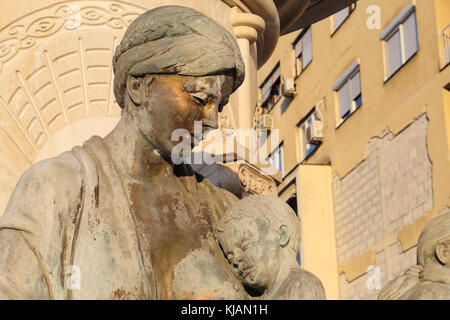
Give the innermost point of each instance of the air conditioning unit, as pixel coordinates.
(265, 122)
(314, 132)
(288, 87)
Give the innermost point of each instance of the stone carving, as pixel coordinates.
(259, 111)
(254, 182)
(260, 236)
(430, 278)
(225, 120)
(26, 32)
(115, 219)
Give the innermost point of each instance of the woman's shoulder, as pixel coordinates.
(43, 190)
(61, 169)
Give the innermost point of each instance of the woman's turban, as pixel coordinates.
(175, 40)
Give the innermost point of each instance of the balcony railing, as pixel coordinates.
(446, 44)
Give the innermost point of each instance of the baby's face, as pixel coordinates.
(253, 251)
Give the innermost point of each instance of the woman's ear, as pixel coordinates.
(443, 253)
(284, 236)
(135, 90)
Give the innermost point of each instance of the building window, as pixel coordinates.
(340, 16)
(263, 136)
(303, 51)
(401, 40)
(276, 158)
(271, 88)
(349, 94)
(310, 132)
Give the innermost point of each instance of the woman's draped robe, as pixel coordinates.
(73, 230)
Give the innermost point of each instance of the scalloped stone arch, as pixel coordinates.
(57, 62)
(58, 77)
(59, 90)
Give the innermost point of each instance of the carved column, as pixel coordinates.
(247, 28)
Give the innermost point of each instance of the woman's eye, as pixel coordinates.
(201, 97)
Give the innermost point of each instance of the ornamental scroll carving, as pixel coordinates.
(224, 120)
(254, 182)
(27, 31)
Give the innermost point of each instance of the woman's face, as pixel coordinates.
(174, 102)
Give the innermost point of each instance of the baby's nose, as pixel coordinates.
(237, 258)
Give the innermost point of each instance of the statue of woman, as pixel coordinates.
(429, 279)
(115, 218)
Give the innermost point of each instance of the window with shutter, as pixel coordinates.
(401, 40)
(394, 50)
(356, 89)
(342, 15)
(271, 88)
(349, 93)
(303, 47)
(276, 158)
(410, 36)
(307, 48)
(344, 100)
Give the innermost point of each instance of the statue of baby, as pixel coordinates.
(260, 237)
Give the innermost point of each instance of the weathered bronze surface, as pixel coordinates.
(115, 218)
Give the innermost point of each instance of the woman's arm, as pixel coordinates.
(33, 229)
(21, 276)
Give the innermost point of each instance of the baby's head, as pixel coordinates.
(258, 234)
(434, 242)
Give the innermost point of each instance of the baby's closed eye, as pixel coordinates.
(245, 244)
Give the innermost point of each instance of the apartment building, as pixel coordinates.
(361, 103)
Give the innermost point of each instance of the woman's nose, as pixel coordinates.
(210, 115)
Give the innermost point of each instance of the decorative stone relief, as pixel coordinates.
(254, 182)
(57, 62)
(27, 31)
(225, 120)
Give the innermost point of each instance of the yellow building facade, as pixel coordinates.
(361, 101)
